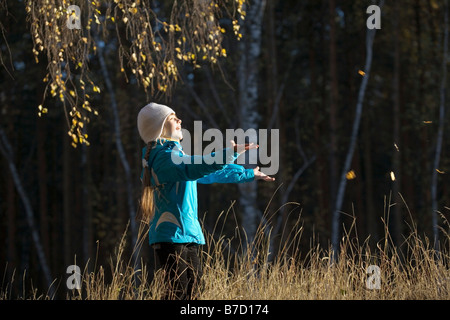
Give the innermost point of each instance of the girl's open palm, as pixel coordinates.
(262, 176)
(241, 148)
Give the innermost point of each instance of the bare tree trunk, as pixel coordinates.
(86, 204)
(11, 213)
(67, 196)
(440, 135)
(334, 95)
(335, 235)
(42, 182)
(396, 183)
(369, 185)
(119, 145)
(6, 150)
(248, 70)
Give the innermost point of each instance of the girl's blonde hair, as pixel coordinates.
(146, 208)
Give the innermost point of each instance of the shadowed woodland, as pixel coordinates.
(362, 115)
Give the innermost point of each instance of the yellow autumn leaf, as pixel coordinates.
(350, 175)
(434, 5)
(392, 176)
(362, 73)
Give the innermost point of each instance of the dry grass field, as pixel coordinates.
(417, 273)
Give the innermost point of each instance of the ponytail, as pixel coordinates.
(147, 204)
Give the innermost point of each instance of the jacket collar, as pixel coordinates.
(161, 142)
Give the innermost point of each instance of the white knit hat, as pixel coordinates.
(150, 121)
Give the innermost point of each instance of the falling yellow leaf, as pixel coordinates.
(434, 5)
(350, 175)
(396, 147)
(428, 122)
(362, 73)
(439, 171)
(392, 176)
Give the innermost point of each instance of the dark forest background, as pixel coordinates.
(311, 55)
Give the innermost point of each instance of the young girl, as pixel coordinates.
(169, 197)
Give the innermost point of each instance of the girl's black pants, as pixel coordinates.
(183, 270)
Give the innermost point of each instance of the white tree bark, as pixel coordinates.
(120, 148)
(247, 77)
(440, 135)
(6, 150)
(335, 232)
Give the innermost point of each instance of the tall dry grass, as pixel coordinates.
(417, 271)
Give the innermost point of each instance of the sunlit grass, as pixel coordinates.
(417, 271)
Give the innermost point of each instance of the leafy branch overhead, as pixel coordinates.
(151, 48)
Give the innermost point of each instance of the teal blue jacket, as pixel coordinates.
(176, 175)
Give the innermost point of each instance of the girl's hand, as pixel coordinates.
(241, 148)
(262, 176)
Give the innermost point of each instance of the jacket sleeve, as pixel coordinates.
(231, 173)
(171, 165)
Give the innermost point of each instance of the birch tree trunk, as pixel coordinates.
(67, 201)
(335, 231)
(440, 135)
(334, 95)
(396, 183)
(6, 150)
(247, 77)
(119, 145)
